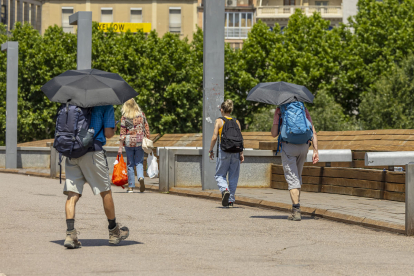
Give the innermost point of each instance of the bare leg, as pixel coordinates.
(294, 195)
(71, 204)
(108, 204)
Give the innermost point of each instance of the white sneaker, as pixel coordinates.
(130, 190)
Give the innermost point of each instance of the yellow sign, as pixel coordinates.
(124, 27)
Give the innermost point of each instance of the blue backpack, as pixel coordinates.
(295, 128)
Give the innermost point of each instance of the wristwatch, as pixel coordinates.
(211, 151)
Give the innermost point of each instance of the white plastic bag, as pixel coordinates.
(152, 164)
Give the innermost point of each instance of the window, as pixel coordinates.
(238, 24)
(66, 12)
(289, 2)
(175, 20)
(322, 5)
(136, 15)
(106, 15)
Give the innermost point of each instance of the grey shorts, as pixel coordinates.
(91, 168)
(293, 159)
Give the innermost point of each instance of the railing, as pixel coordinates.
(235, 3)
(236, 32)
(286, 11)
(399, 158)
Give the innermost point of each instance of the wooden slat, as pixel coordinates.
(366, 137)
(367, 132)
(394, 187)
(394, 196)
(358, 155)
(368, 193)
(333, 164)
(279, 185)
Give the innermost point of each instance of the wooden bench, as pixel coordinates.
(347, 181)
(359, 142)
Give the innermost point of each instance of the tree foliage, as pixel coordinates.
(390, 101)
(351, 70)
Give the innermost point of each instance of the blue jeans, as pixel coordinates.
(135, 158)
(228, 163)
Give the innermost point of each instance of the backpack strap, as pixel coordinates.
(60, 167)
(279, 140)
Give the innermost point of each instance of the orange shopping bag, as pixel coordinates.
(120, 175)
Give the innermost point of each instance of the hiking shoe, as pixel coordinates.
(71, 241)
(118, 234)
(295, 216)
(141, 185)
(231, 204)
(225, 198)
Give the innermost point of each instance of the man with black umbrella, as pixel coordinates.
(93, 168)
(88, 97)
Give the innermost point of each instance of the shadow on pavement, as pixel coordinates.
(278, 217)
(99, 242)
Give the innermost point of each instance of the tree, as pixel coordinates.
(389, 104)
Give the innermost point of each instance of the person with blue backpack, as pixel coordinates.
(80, 136)
(229, 153)
(293, 123)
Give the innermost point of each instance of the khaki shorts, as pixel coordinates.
(91, 168)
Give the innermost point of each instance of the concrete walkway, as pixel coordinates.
(382, 214)
(176, 235)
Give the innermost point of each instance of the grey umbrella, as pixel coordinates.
(278, 93)
(87, 88)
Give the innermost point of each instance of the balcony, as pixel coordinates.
(287, 11)
(235, 4)
(236, 32)
(239, 3)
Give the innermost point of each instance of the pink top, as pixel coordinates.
(277, 116)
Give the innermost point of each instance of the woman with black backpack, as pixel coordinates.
(229, 153)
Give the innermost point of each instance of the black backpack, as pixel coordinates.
(231, 137)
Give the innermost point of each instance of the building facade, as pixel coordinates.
(13, 11)
(176, 16)
(279, 11)
(240, 15)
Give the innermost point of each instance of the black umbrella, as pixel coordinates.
(278, 93)
(87, 88)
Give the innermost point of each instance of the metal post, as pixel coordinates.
(12, 49)
(409, 199)
(84, 22)
(213, 82)
(54, 167)
(163, 161)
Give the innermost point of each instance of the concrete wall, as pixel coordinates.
(255, 172)
(39, 158)
(28, 158)
(155, 12)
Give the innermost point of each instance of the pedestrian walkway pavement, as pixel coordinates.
(381, 214)
(375, 213)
